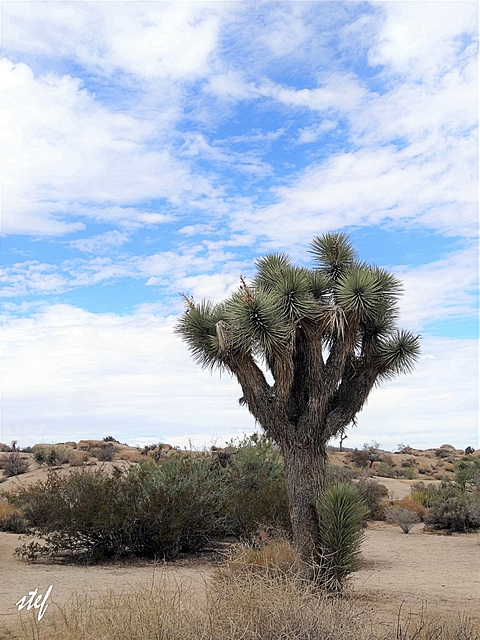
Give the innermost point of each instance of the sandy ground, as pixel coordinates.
(431, 570)
(409, 571)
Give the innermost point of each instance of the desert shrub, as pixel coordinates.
(444, 454)
(342, 513)
(373, 494)
(456, 513)
(26, 449)
(110, 439)
(267, 551)
(51, 455)
(150, 511)
(335, 474)
(234, 607)
(13, 464)
(467, 472)
(255, 488)
(410, 473)
(104, 454)
(365, 457)
(402, 516)
(360, 458)
(429, 495)
(386, 470)
(409, 503)
(388, 459)
(11, 518)
(469, 450)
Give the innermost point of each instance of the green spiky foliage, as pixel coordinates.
(327, 334)
(341, 532)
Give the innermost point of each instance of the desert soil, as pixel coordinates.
(410, 571)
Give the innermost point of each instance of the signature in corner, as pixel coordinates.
(35, 601)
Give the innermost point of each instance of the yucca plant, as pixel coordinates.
(341, 533)
(327, 335)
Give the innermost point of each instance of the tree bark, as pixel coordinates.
(305, 467)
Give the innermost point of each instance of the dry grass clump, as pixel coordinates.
(269, 552)
(233, 606)
(257, 593)
(11, 518)
(429, 626)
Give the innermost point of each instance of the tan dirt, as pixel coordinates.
(439, 572)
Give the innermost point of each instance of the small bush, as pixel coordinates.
(409, 503)
(467, 473)
(104, 454)
(110, 439)
(455, 514)
(51, 455)
(386, 470)
(11, 518)
(360, 458)
(267, 551)
(373, 494)
(430, 495)
(403, 517)
(13, 464)
(410, 473)
(337, 474)
(443, 454)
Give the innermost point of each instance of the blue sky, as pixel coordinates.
(158, 147)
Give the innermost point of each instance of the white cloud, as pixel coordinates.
(100, 243)
(374, 186)
(70, 374)
(437, 404)
(157, 40)
(65, 153)
(440, 290)
(422, 39)
(152, 40)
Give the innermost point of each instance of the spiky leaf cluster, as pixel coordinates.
(347, 307)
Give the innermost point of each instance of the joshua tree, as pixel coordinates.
(327, 335)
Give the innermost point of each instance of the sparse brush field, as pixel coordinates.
(126, 560)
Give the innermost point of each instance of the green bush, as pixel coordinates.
(386, 470)
(342, 513)
(455, 514)
(255, 488)
(467, 473)
(428, 495)
(410, 473)
(373, 494)
(150, 511)
(50, 455)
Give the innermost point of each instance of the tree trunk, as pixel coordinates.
(305, 477)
